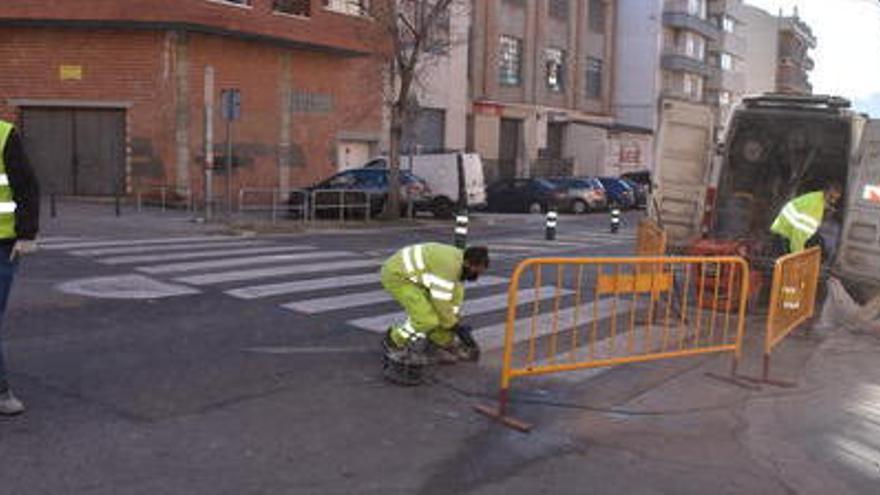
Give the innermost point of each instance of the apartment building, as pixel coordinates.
(110, 99)
(778, 54)
(541, 86)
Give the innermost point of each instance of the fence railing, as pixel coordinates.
(625, 310)
(165, 195)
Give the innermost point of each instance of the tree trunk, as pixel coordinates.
(392, 206)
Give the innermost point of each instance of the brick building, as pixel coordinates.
(111, 97)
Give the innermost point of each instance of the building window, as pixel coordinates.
(692, 86)
(597, 16)
(510, 61)
(246, 3)
(694, 46)
(348, 7)
(293, 7)
(724, 98)
(725, 61)
(728, 24)
(555, 60)
(558, 9)
(697, 8)
(594, 78)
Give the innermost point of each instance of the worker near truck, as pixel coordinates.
(427, 280)
(800, 219)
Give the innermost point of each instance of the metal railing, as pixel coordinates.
(338, 205)
(277, 201)
(164, 193)
(624, 311)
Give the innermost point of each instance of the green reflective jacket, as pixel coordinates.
(800, 219)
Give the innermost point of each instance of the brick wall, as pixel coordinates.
(161, 75)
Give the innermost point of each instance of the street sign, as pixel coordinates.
(872, 193)
(230, 104)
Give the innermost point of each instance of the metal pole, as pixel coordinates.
(164, 192)
(53, 208)
(209, 140)
(117, 205)
(140, 201)
(550, 229)
(615, 220)
(274, 205)
(461, 229)
(229, 167)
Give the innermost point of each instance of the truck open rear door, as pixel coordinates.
(682, 171)
(859, 257)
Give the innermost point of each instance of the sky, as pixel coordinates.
(848, 49)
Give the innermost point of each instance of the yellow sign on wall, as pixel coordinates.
(70, 72)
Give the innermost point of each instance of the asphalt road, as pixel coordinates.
(157, 356)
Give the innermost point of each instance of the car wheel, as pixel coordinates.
(580, 207)
(536, 208)
(442, 208)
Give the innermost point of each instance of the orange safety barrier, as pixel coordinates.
(792, 300)
(617, 311)
(650, 239)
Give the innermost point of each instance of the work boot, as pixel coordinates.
(9, 404)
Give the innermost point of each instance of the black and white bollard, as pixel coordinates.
(615, 220)
(550, 230)
(461, 229)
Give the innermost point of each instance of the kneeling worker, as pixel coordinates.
(798, 223)
(428, 281)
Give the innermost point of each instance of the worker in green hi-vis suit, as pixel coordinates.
(428, 281)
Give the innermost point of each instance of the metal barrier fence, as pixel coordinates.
(165, 193)
(792, 300)
(622, 310)
(277, 201)
(348, 203)
(650, 239)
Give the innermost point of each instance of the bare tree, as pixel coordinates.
(415, 35)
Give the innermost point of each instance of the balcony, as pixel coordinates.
(680, 63)
(682, 20)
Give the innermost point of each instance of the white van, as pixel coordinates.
(447, 177)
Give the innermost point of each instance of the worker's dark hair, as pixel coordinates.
(477, 255)
(833, 185)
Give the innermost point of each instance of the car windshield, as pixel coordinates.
(546, 184)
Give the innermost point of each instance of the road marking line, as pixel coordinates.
(239, 275)
(137, 242)
(233, 262)
(477, 306)
(258, 291)
(165, 248)
(121, 260)
(324, 304)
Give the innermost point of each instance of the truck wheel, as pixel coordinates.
(580, 207)
(536, 208)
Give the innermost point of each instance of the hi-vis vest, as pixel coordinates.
(7, 204)
(436, 268)
(799, 219)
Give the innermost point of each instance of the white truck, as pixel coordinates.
(454, 179)
(774, 148)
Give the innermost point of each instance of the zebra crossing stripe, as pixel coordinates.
(135, 242)
(233, 262)
(166, 248)
(268, 290)
(477, 306)
(492, 337)
(324, 304)
(275, 271)
(150, 258)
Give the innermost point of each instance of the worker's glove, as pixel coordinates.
(22, 247)
(469, 350)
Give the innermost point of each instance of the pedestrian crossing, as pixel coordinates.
(336, 283)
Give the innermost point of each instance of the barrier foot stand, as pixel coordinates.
(765, 377)
(733, 378)
(499, 414)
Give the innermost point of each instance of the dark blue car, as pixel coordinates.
(619, 193)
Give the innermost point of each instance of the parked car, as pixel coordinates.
(525, 196)
(641, 184)
(449, 184)
(352, 186)
(584, 194)
(620, 194)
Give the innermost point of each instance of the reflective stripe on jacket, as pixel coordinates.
(7, 203)
(800, 219)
